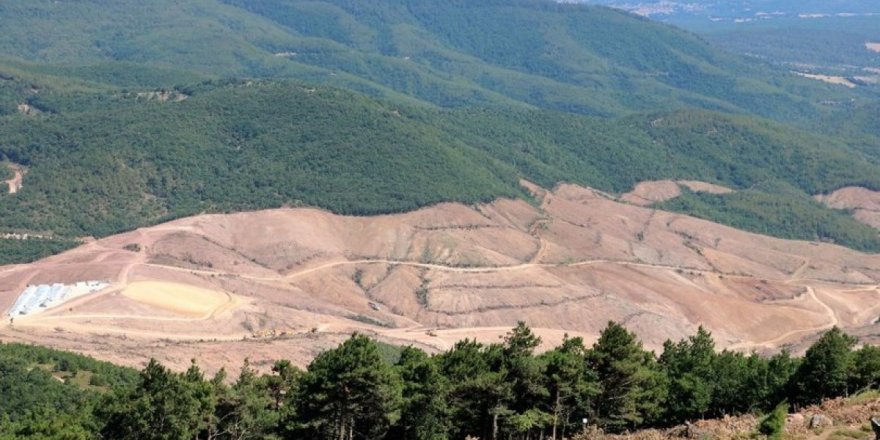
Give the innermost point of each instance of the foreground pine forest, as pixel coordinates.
(368, 390)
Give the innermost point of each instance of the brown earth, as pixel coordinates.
(873, 46)
(28, 110)
(650, 192)
(287, 283)
(15, 184)
(845, 419)
(836, 80)
(863, 203)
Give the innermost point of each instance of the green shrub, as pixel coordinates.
(773, 424)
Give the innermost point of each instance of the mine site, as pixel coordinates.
(296, 281)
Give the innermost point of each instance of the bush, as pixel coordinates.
(773, 424)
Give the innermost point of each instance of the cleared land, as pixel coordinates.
(15, 184)
(292, 282)
(837, 80)
(179, 299)
(656, 191)
(845, 419)
(862, 202)
(875, 47)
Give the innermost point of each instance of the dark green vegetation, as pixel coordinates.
(14, 250)
(501, 390)
(773, 424)
(48, 394)
(776, 209)
(494, 52)
(835, 45)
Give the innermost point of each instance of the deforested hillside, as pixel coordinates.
(100, 162)
(574, 58)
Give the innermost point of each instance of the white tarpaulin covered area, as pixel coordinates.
(41, 297)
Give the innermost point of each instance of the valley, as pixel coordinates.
(295, 281)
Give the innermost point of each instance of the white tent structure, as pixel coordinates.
(41, 297)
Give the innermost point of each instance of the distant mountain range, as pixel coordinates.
(743, 10)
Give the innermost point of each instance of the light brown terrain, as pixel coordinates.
(835, 419)
(287, 283)
(650, 192)
(830, 79)
(863, 203)
(15, 184)
(875, 47)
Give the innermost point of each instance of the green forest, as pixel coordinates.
(355, 391)
(505, 53)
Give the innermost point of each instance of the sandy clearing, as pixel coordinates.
(785, 337)
(862, 202)
(17, 181)
(874, 47)
(179, 299)
(698, 186)
(649, 192)
(836, 80)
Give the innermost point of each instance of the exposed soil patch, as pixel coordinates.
(17, 181)
(180, 299)
(862, 202)
(650, 192)
(874, 47)
(163, 96)
(830, 79)
(28, 110)
(847, 419)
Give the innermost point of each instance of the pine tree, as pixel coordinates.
(424, 413)
(347, 393)
(164, 406)
(866, 368)
(690, 370)
(247, 410)
(571, 386)
(524, 374)
(632, 388)
(478, 393)
(825, 369)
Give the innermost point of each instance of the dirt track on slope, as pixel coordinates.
(17, 181)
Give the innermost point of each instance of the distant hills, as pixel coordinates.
(525, 53)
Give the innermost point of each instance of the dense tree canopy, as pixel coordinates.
(496, 391)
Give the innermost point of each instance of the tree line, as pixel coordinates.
(503, 390)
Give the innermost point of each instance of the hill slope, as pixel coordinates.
(513, 52)
(107, 161)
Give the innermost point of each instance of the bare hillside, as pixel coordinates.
(291, 282)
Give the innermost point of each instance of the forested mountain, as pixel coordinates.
(101, 160)
(575, 58)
